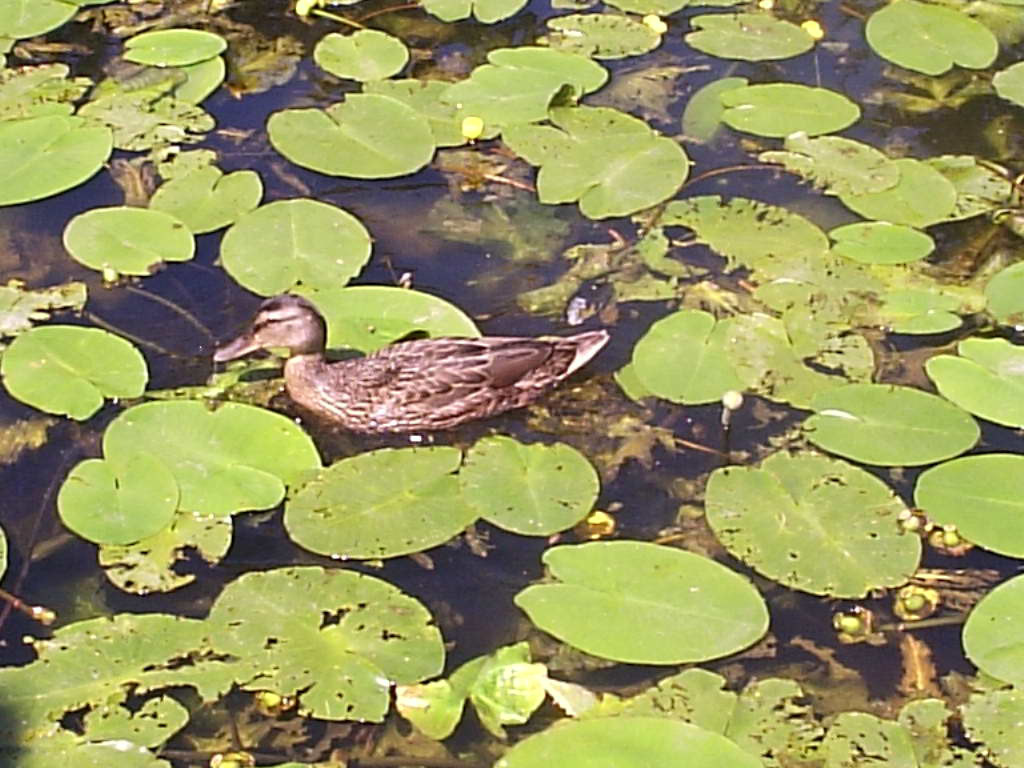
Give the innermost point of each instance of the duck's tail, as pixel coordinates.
(585, 346)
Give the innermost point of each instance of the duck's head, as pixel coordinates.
(284, 321)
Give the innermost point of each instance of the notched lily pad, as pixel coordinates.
(68, 370)
(127, 240)
(206, 199)
(748, 36)
(367, 54)
(484, 11)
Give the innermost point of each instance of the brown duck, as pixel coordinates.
(422, 385)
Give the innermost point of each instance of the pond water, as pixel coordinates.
(798, 327)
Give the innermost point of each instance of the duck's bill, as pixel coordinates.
(234, 349)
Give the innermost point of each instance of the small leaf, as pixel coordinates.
(365, 55)
(129, 241)
(206, 199)
(779, 109)
(747, 36)
(702, 116)
(601, 35)
(173, 47)
(986, 379)
(1005, 294)
(1009, 83)
(880, 242)
(922, 197)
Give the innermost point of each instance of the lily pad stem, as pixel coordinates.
(335, 17)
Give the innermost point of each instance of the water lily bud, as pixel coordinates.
(472, 127)
(655, 24)
(813, 28)
(732, 400)
(303, 7)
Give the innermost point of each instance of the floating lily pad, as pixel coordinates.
(813, 523)
(853, 734)
(1009, 83)
(930, 38)
(535, 490)
(384, 503)
(335, 639)
(682, 358)
(41, 156)
(235, 458)
(173, 47)
(992, 720)
(424, 97)
(118, 504)
(702, 116)
(748, 36)
(657, 605)
(779, 109)
(651, 7)
(140, 123)
(980, 187)
(835, 164)
(68, 369)
(983, 496)
(148, 726)
(368, 317)
(993, 632)
(289, 242)
(881, 242)
(889, 425)
(922, 197)
(601, 35)
(129, 241)
(1005, 294)
(28, 18)
(636, 742)
(986, 379)
(367, 136)
(206, 199)
(201, 80)
(41, 90)
(612, 163)
(484, 11)
(367, 54)
(20, 308)
(517, 85)
(918, 311)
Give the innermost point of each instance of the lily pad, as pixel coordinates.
(368, 317)
(930, 38)
(41, 90)
(41, 156)
(601, 35)
(813, 523)
(517, 85)
(683, 358)
(986, 379)
(1009, 83)
(702, 116)
(235, 458)
(610, 162)
(837, 165)
(68, 370)
(173, 47)
(384, 503)
(21, 308)
(779, 109)
(992, 719)
(748, 36)
(129, 241)
(993, 632)
(201, 80)
(118, 504)
(918, 311)
(535, 490)
(367, 54)
(981, 187)
(636, 742)
(484, 11)
(657, 605)
(367, 136)
(922, 197)
(335, 639)
(424, 97)
(881, 242)
(28, 18)
(1005, 294)
(983, 496)
(889, 425)
(206, 199)
(289, 242)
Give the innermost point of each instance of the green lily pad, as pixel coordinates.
(535, 490)
(837, 165)
(981, 187)
(206, 199)
(601, 35)
(1005, 294)
(129, 241)
(28, 18)
(484, 11)
(68, 370)
(201, 80)
(235, 458)
(993, 632)
(41, 156)
(702, 116)
(930, 38)
(41, 90)
(657, 605)
(922, 197)
(517, 85)
(173, 47)
(881, 242)
(636, 742)
(890, 426)
(140, 123)
(918, 311)
(118, 504)
(424, 97)
(148, 726)
(854, 734)
(779, 109)
(335, 639)
(992, 719)
(813, 523)
(290, 242)
(368, 317)
(683, 358)
(982, 496)
(1009, 83)
(367, 54)
(20, 308)
(367, 136)
(986, 379)
(747, 36)
(610, 162)
(384, 503)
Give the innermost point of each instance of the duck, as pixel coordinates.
(422, 385)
